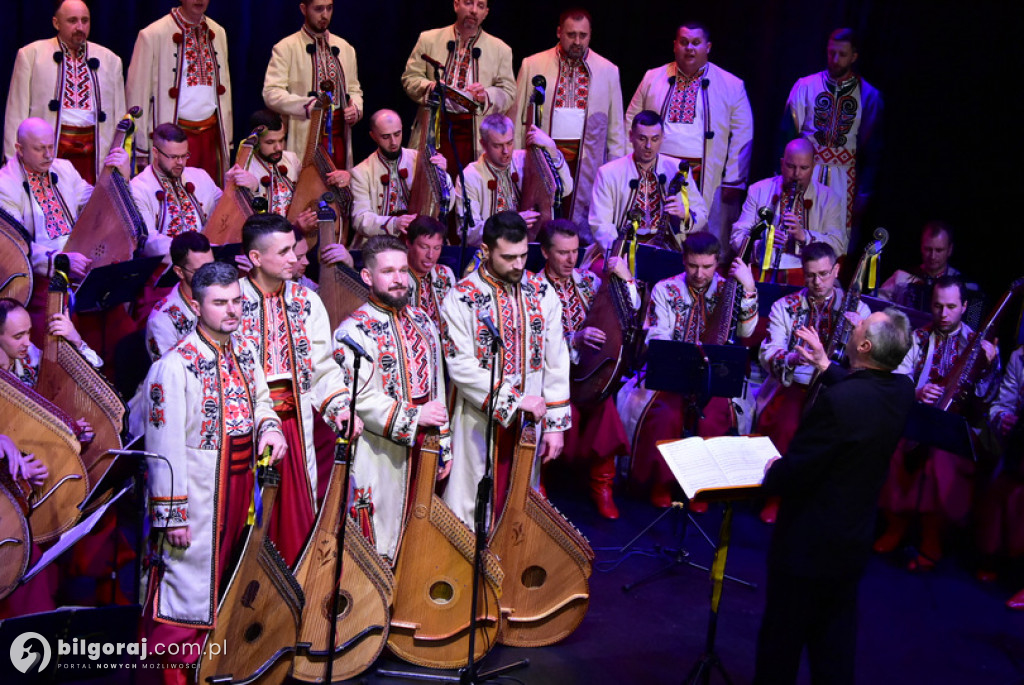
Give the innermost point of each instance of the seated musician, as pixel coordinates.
(429, 280)
(926, 481)
(494, 182)
(639, 181)
(402, 393)
(173, 317)
(681, 308)
(172, 198)
(913, 288)
(36, 595)
(1001, 509)
(818, 307)
(17, 352)
(803, 210)
(271, 171)
(533, 376)
(597, 438)
(209, 413)
(46, 195)
(381, 182)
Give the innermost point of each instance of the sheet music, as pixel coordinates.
(725, 462)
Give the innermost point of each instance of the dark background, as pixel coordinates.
(948, 73)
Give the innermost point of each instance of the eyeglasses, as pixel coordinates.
(817, 276)
(174, 158)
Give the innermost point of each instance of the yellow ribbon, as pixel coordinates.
(129, 144)
(769, 246)
(872, 271)
(257, 495)
(684, 192)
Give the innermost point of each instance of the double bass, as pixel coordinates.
(237, 204)
(71, 383)
(311, 186)
(547, 562)
(341, 289)
(259, 614)
(431, 194)
(15, 259)
(599, 372)
(38, 427)
(434, 580)
(362, 599)
(110, 229)
(542, 187)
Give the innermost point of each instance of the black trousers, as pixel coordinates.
(816, 613)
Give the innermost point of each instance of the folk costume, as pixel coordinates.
(406, 372)
(299, 66)
(275, 182)
(78, 92)
(171, 320)
(582, 112)
(912, 288)
(170, 206)
(708, 121)
(427, 292)
(534, 361)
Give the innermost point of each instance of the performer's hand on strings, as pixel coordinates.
(591, 337)
(439, 161)
(930, 393)
(530, 217)
(991, 349)
(740, 270)
(479, 92)
(84, 432)
(534, 405)
(674, 206)
(275, 441)
(334, 253)
(26, 466)
(306, 220)
(551, 444)
(339, 178)
(180, 537)
(242, 178)
(118, 159)
(535, 136)
(60, 324)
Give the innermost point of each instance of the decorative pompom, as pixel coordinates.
(58, 57)
(160, 196)
(172, 92)
(177, 38)
(94, 63)
(189, 187)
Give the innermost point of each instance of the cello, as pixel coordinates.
(15, 259)
(110, 229)
(260, 612)
(542, 186)
(599, 372)
(237, 204)
(434, 579)
(71, 383)
(547, 562)
(362, 600)
(38, 427)
(311, 186)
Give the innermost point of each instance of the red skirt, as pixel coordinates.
(204, 146)
(937, 482)
(293, 516)
(77, 144)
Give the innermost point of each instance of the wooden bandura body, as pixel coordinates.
(110, 229)
(542, 187)
(430, 194)
(363, 598)
(599, 372)
(15, 535)
(237, 204)
(15, 262)
(38, 427)
(71, 383)
(311, 186)
(724, 321)
(258, 617)
(434, 580)
(341, 289)
(546, 561)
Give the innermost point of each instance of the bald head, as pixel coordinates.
(386, 131)
(797, 162)
(35, 145)
(72, 22)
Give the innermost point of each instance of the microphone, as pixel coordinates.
(431, 61)
(540, 85)
(135, 453)
(346, 340)
(634, 216)
(486, 318)
(765, 214)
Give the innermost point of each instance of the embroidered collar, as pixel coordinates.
(571, 61)
(497, 283)
(179, 17)
(682, 78)
(78, 54)
(276, 292)
(218, 347)
(324, 37)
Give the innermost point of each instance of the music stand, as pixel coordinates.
(113, 284)
(701, 372)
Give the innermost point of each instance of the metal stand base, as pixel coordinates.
(463, 676)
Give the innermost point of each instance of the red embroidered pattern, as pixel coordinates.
(200, 66)
(277, 354)
(682, 106)
(417, 357)
(424, 296)
(505, 189)
(278, 187)
(573, 83)
(457, 74)
(944, 356)
(77, 81)
(574, 310)
(326, 66)
(182, 209)
(395, 194)
(648, 200)
(58, 218)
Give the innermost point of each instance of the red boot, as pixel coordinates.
(602, 475)
(771, 509)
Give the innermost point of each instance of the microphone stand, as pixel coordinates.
(341, 446)
(467, 212)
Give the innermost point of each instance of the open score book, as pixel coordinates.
(724, 463)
